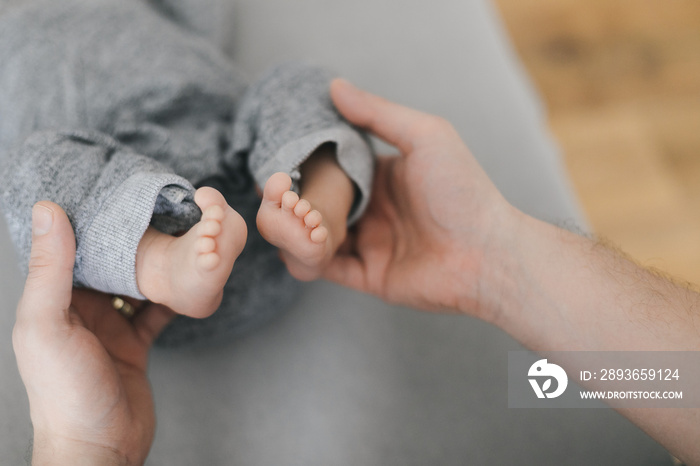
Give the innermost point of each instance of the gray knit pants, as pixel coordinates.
(115, 111)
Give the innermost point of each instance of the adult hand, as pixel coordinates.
(426, 237)
(83, 363)
(437, 234)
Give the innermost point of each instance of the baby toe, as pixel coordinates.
(313, 219)
(276, 186)
(290, 200)
(205, 245)
(208, 261)
(214, 212)
(302, 208)
(207, 197)
(210, 228)
(319, 235)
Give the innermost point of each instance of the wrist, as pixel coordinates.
(52, 449)
(487, 293)
(505, 271)
(550, 285)
(515, 286)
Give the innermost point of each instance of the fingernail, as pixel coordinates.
(346, 83)
(42, 219)
(342, 83)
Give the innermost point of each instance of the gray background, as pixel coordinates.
(343, 378)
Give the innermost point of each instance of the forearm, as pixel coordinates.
(49, 450)
(438, 236)
(563, 292)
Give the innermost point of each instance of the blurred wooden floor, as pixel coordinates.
(621, 79)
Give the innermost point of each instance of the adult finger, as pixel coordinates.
(398, 125)
(151, 321)
(347, 270)
(48, 289)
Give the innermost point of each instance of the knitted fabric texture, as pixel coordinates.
(116, 113)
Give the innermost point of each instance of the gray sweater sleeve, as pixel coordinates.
(109, 193)
(288, 114)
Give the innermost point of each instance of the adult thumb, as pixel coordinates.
(49, 285)
(394, 123)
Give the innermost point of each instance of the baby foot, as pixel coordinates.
(188, 273)
(289, 223)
